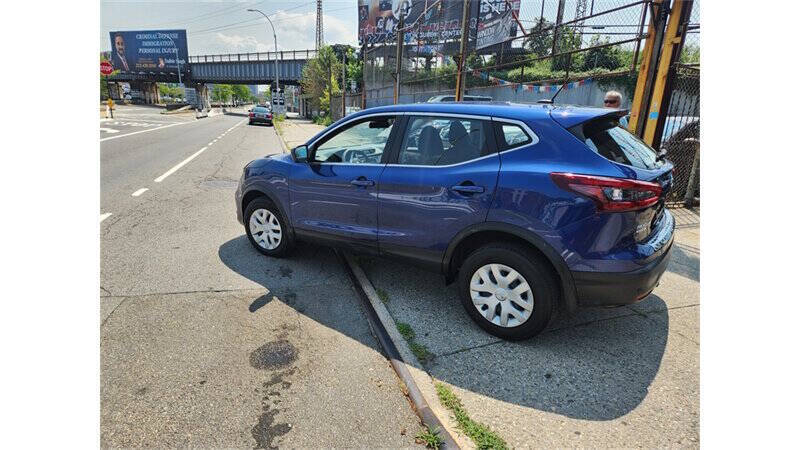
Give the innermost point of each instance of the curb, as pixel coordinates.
(418, 383)
(284, 147)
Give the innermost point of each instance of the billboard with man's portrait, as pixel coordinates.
(436, 24)
(150, 51)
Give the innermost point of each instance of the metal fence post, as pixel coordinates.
(642, 93)
(398, 63)
(662, 92)
(694, 175)
(462, 52)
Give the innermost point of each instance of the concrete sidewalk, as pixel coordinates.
(297, 131)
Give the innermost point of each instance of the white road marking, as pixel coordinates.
(211, 143)
(144, 131)
(186, 161)
(181, 164)
(140, 192)
(104, 216)
(109, 130)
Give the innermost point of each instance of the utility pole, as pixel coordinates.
(320, 37)
(344, 79)
(364, 76)
(398, 58)
(462, 52)
(277, 81)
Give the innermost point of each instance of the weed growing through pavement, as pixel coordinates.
(481, 435)
(382, 295)
(430, 437)
(419, 350)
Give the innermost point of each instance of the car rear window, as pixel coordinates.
(260, 110)
(606, 137)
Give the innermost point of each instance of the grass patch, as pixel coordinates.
(481, 435)
(406, 331)
(430, 437)
(382, 295)
(419, 350)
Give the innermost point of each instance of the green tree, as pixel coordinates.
(539, 41)
(240, 92)
(568, 40)
(606, 57)
(221, 93)
(690, 54)
(319, 78)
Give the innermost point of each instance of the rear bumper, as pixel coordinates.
(260, 120)
(619, 288)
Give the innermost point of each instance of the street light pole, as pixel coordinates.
(178, 61)
(277, 82)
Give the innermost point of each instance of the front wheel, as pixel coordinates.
(508, 290)
(266, 228)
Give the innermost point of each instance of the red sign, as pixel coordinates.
(106, 68)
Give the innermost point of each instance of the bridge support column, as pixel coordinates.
(202, 95)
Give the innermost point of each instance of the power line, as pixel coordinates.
(232, 26)
(210, 14)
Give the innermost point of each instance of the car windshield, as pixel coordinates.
(606, 137)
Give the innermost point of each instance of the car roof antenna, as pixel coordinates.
(549, 101)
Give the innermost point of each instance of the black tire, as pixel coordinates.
(287, 241)
(536, 272)
(249, 122)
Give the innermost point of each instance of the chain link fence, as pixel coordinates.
(681, 136)
(526, 51)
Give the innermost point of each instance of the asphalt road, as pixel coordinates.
(205, 342)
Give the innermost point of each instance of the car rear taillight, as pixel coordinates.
(269, 116)
(252, 114)
(610, 194)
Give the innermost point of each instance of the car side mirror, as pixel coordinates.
(300, 154)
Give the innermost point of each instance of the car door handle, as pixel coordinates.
(467, 189)
(362, 182)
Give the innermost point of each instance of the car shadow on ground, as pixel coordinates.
(310, 280)
(595, 365)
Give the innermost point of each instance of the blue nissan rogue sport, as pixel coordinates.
(531, 209)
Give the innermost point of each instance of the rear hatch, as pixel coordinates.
(604, 135)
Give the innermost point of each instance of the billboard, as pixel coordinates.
(148, 51)
(496, 22)
(424, 20)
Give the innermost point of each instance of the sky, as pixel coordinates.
(215, 27)
(225, 26)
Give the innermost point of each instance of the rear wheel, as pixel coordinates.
(266, 229)
(508, 290)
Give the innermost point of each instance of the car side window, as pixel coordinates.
(510, 135)
(360, 143)
(441, 141)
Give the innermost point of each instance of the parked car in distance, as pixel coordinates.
(452, 98)
(530, 209)
(260, 114)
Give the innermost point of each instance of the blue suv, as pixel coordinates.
(531, 209)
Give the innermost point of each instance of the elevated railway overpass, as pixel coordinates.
(232, 68)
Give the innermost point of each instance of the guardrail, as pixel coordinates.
(260, 56)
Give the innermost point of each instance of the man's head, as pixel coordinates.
(119, 44)
(613, 99)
